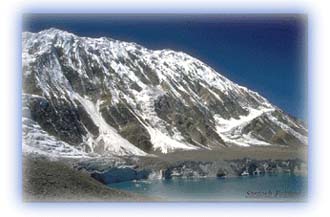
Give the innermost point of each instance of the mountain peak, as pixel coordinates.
(107, 96)
(54, 31)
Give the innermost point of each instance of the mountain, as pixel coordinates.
(99, 96)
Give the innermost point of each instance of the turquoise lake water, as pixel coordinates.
(283, 187)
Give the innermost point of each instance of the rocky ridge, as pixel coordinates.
(91, 97)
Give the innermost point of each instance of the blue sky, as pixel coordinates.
(266, 53)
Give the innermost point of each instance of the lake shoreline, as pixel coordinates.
(93, 175)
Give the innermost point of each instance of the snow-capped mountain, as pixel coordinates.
(100, 96)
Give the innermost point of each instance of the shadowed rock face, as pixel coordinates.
(196, 124)
(60, 118)
(128, 125)
(263, 128)
(79, 89)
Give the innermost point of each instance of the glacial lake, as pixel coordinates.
(283, 187)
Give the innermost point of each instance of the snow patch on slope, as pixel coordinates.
(166, 143)
(160, 137)
(109, 136)
(288, 129)
(230, 130)
(226, 125)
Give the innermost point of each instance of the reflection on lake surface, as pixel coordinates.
(282, 187)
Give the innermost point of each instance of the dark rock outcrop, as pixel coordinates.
(221, 173)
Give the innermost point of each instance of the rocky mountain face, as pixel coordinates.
(97, 96)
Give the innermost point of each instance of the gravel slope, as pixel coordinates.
(45, 180)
